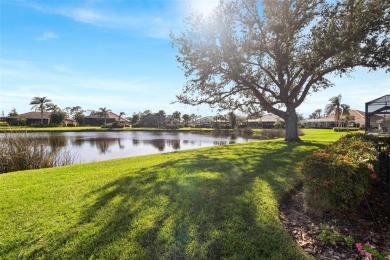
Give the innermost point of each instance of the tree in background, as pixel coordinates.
(268, 55)
(335, 107)
(135, 119)
(120, 115)
(177, 115)
(160, 117)
(104, 113)
(13, 112)
(52, 107)
(186, 119)
(39, 104)
(57, 117)
(232, 119)
(316, 114)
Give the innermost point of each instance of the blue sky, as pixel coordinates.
(117, 54)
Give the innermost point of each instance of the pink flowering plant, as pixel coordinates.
(338, 177)
(371, 253)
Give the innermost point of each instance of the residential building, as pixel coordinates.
(31, 118)
(97, 120)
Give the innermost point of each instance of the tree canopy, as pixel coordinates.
(269, 55)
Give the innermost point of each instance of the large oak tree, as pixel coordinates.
(269, 55)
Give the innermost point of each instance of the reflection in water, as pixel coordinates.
(175, 144)
(161, 144)
(98, 146)
(158, 143)
(220, 142)
(103, 143)
(55, 142)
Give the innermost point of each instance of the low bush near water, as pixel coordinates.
(338, 177)
(20, 152)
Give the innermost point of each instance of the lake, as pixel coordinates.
(99, 146)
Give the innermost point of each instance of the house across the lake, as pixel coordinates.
(97, 120)
(29, 118)
(266, 121)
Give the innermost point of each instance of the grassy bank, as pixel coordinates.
(219, 202)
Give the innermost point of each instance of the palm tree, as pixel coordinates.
(336, 107)
(104, 113)
(120, 115)
(39, 103)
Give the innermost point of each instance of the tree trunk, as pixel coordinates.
(291, 121)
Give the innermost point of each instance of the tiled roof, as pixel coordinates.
(271, 118)
(359, 116)
(35, 115)
(111, 115)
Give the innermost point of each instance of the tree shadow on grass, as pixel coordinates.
(216, 204)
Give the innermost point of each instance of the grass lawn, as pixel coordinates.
(219, 202)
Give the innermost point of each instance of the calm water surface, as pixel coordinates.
(99, 146)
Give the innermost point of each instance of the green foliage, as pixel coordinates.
(345, 129)
(57, 117)
(333, 236)
(338, 177)
(3, 123)
(113, 125)
(279, 124)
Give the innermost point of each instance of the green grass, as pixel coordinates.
(219, 202)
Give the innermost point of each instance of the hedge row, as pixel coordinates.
(345, 129)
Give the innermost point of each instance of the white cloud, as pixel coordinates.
(150, 24)
(47, 36)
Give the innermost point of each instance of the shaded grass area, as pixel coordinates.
(219, 202)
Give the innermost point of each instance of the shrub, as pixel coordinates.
(338, 178)
(3, 123)
(113, 125)
(345, 129)
(20, 152)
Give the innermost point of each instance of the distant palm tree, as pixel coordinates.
(337, 108)
(120, 115)
(39, 104)
(104, 113)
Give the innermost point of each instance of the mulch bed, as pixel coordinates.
(365, 225)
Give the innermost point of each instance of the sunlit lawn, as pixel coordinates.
(219, 202)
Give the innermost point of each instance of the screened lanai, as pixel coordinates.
(378, 115)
